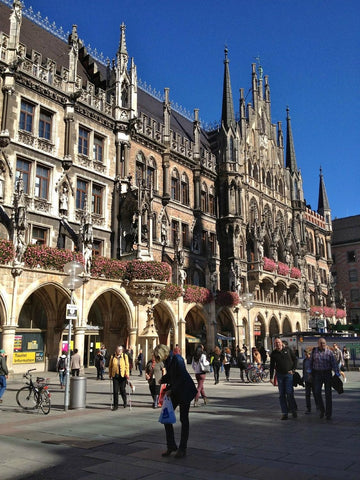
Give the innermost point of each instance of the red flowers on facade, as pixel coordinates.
(227, 299)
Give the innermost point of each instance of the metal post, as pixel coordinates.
(67, 383)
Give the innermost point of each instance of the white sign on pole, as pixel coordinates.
(71, 312)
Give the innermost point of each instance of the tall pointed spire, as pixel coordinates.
(323, 203)
(290, 150)
(227, 116)
(122, 45)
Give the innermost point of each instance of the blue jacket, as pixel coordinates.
(178, 379)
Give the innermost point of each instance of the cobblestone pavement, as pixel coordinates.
(238, 435)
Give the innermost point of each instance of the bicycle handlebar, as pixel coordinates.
(28, 372)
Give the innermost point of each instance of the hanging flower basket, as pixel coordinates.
(269, 265)
(195, 294)
(6, 252)
(171, 292)
(295, 273)
(329, 312)
(316, 310)
(227, 299)
(282, 269)
(340, 313)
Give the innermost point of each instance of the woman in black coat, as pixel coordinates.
(182, 390)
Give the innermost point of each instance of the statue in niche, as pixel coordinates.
(214, 282)
(20, 246)
(64, 201)
(182, 276)
(180, 257)
(163, 233)
(87, 254)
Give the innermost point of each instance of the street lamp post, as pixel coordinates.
(72, 282)
(247, 300)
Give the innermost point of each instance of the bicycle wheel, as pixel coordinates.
(26, 398)
(44, 402)
(254, 375)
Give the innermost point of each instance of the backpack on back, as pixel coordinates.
(62, 363)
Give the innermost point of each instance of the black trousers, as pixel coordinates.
(119, 385)
(185, 427)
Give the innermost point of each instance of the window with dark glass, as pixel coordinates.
(81, 191)
(23, 167)
(39, 236)
(203, 242)
(211, 203)
(42, 182)
(98, 148)
(26, 116)
(83, 145)
(175, 188)
(45, 124)
(355, 295)
(204, 199)
(97, 247)
(351, 257)
(140, 168)
(212, 244)
(96, 200)
(174, 231)
(185, 234)
(185, 190)
(353, 275)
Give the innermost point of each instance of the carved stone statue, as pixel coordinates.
(20, 246)
(87, 253)
(214, 281)
(182, 276)
(64, 201)
(163, 233)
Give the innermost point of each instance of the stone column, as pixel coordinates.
(8, 333)
(79, 342)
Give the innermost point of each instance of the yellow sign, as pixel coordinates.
(97, 345)
(24, 357)
(33, 345)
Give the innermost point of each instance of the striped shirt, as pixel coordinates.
(323, 360)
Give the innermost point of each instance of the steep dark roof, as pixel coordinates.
(34, 37)
(346, 230)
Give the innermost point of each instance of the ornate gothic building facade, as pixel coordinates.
(93, 163)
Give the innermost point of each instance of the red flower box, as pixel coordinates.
(195, 294)
(227, 299)
(282, 269)
(269, 264)
(295, 273)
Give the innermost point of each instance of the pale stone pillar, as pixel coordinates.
(79, 342)
(8, 333)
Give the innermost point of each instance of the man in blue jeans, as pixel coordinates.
(322, 362)
(284, 361)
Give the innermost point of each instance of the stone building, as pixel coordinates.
(346, 267)
(95, 164)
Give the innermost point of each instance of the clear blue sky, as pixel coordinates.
(309, 48)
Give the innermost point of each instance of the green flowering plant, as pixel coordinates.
(227, 299)
(171, 292)
(195, 294)
(6, 251)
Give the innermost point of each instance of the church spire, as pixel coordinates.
(323, 204)
(290, 150)
(227, 116)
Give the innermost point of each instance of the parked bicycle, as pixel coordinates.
(256, 374)
(34, 394)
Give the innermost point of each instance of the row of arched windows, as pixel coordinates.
(266, 178)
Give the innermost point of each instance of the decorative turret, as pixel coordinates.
(323, 203)
(227, 116)
(296, 190)
(290, 150)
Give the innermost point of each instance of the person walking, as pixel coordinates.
(200, 364)
(322, 363)
(339, 359)
(75, 363)
(283, 360)
(153, 374)
(140, 358)
(4, 372)
(346, 357)
(100, 365)
(241, 361)
(308, 381)
(62, 366)
(181, 389)
(119, 374)
(216, 362)
(227, 363)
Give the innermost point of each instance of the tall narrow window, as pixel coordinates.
(83, 145)
(98, 148)
(204, 198)
(42, 182)
(81, 191)
(96, 200)
(97, 247)
(45, 124)
(185, 198)
(212, 244)
(23, 167)
(151, 173)
(26, 116)
(174, 231)
(185, 234)
(140, 168)
(212, 201)
(203, 242)
(175, 187)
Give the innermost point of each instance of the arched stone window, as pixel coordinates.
(204, 198)
(268, 179)
(256, 172)
(250, 172)
(212, 209)
(281, 187)
(151, 177)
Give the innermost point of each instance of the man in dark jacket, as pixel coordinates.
(182, 390)
(3, 373)
(283, 360)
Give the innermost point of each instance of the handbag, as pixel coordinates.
(167, 414)
(204, 368)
